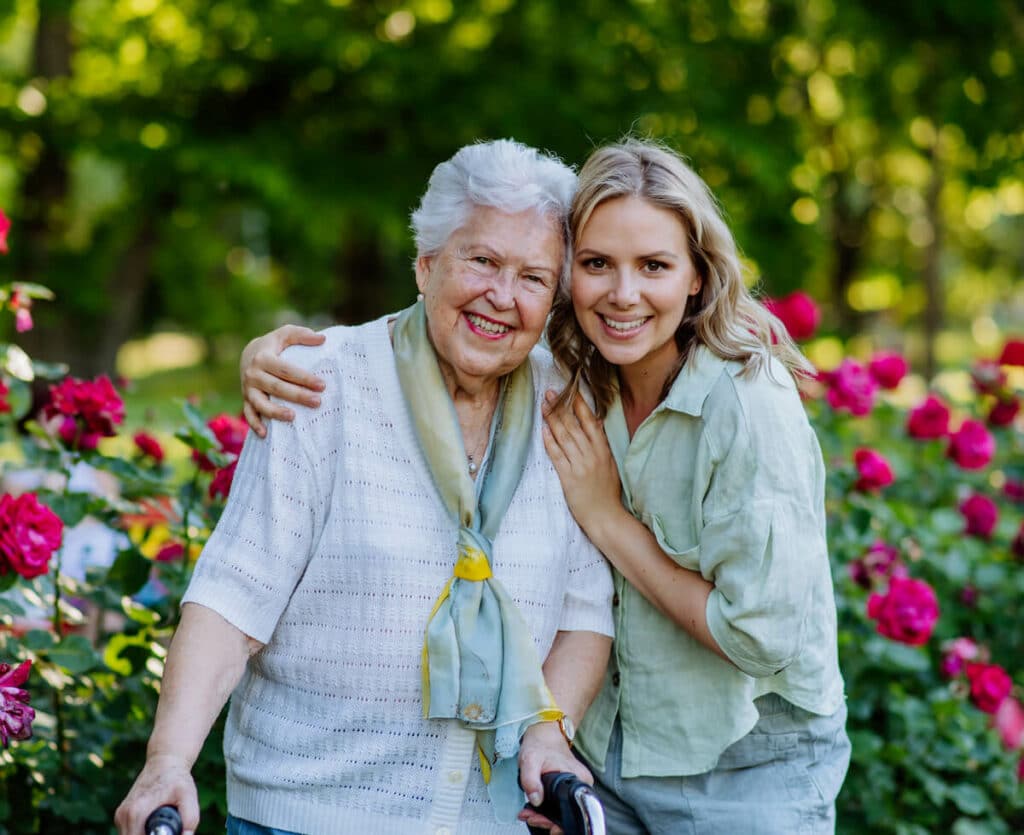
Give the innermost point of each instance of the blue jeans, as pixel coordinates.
(782, 778)
(237, 826)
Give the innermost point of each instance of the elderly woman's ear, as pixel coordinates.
(265, 374)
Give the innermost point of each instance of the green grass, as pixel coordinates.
(154, 402)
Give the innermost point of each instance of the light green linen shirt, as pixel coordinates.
(728, 474)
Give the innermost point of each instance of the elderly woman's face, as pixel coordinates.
(489, 290)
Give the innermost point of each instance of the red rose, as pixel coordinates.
(90, 410)
(798, 312)
(990, 685)
(221, 483)
(29, 534)
(980, 514)
(149, 446)
(1009, 721)
(929, 419)
(888, 368)
(881, 562)
(15, 713)
(907, 612)
(875, 472)
(230, 433)
(5, 404)
(1013, 352)
(1004, 412)
(5, 227)
(956, 654)
(972, 445)
(988, 378)
(170, 552)
(851, 387)
(1014, 490)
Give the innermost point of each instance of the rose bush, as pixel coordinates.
(931, 621)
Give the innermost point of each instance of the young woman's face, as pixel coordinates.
(631, 280)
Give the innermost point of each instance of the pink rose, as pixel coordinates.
(5, 404)
(888, 368)
(929, 419)
(851, 387)
(1014, 490)
(230, 433)
(5, 227)
(1009, 721)
(798, 312)
(170, 552)
(907, 612)
(874, 471)
(988, 378)
(29, 534)
(1013, 352)
(956, 654)
(149, 446)
(21, 304)
(881, 562)
(15, 714)
(990, 685)
(980, 514)
(90, 409)
(1004, 412)
(972, 445)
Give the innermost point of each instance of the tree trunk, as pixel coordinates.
(930, 275)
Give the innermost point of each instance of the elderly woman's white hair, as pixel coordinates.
(503, 174)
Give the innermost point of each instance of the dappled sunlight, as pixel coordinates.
(139, 358)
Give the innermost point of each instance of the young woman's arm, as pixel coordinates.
(579, 450)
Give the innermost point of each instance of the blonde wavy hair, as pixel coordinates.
(723, 315)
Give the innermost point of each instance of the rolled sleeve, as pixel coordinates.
(261, 546)
(587, 605)
(758, 609)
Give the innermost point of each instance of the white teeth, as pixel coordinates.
(623, 327)
(486, 324)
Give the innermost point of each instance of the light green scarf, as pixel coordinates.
(480, 665)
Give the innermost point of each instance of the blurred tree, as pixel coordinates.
(210, 164)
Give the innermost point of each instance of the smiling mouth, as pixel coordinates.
(486, 325)
(625, 327)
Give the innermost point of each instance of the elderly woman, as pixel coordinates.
(391, 567)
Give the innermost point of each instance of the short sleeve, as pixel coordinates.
(587, 605)
(259, 549)
(763, 529)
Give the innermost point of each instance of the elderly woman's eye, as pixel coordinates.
(483, 260)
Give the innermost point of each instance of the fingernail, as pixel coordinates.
(320, 386)
(289, 415)
(549, 396)
(314, 401)
(535, 799)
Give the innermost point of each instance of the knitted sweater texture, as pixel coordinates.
(331, 551)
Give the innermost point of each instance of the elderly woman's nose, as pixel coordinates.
(501, 292)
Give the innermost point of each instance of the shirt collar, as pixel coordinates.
(693, 385)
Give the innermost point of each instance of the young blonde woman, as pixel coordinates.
(699, 478)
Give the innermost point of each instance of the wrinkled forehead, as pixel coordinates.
(532, 237)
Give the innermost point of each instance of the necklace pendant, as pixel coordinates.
(472, 465)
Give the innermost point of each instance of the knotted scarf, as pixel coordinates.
(480, 665)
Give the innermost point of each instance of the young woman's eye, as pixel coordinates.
(656, 266)
(595, 263)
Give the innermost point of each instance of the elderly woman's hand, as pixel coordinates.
(544, 750)
(264, 373)
(165, 781)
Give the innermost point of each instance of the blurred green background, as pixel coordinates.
(188, 173)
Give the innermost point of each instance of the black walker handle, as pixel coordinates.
(164, 821)
(559, 805)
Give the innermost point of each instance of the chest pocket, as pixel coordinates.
(676, 539)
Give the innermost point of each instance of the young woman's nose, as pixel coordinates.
(625, 290)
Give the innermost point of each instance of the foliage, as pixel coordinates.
(256, 155)
(927, 565)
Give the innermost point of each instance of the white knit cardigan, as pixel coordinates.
(332, 549)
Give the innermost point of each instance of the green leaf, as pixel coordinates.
(969, 799)
(38, 640)
(72, 508)
(126, 653)
(75, 654)
(10, 607)
(129, 572)
(7, 580)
